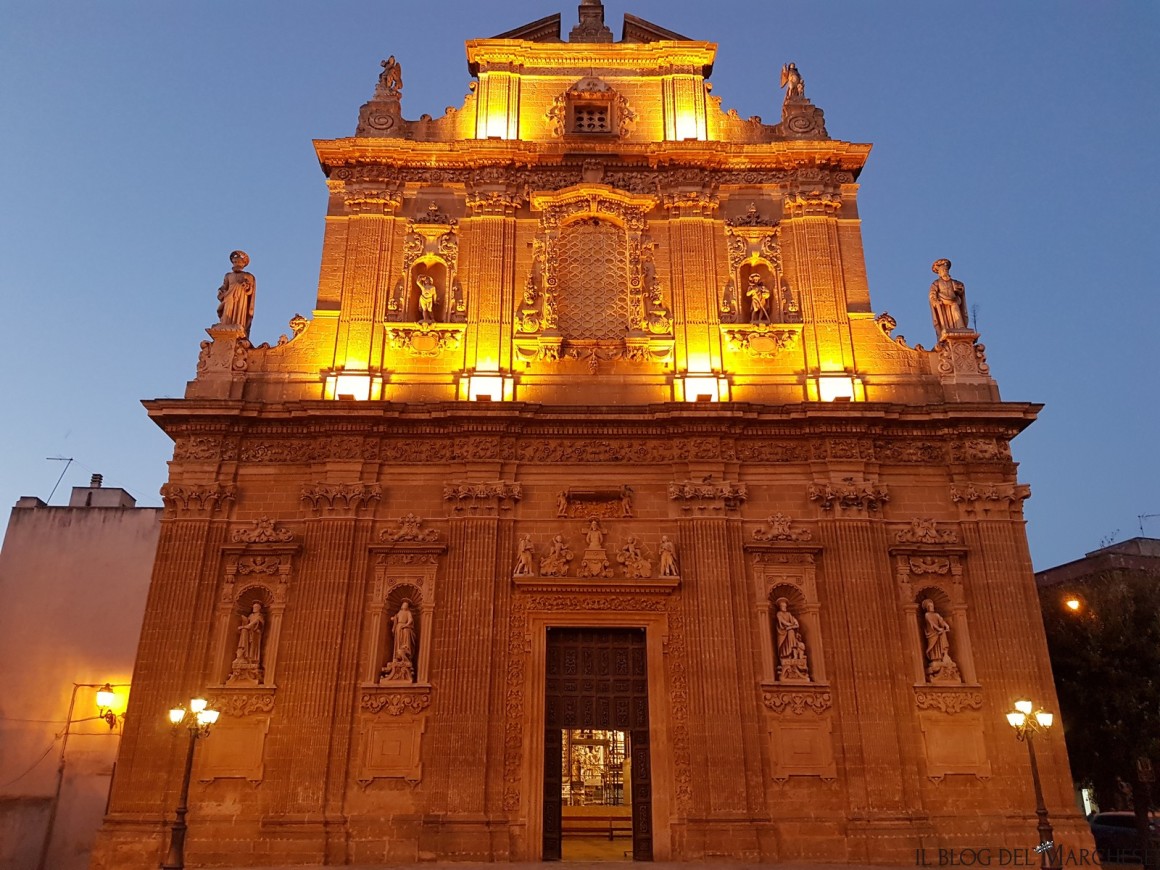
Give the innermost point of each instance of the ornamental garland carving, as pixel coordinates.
(981, 450)
(341, 497)
(929, 565)
(259, 564)
(409, 530)
(925, 531)
(196, 498)
(919, 452)
(263, 532)
(471, 495)
(424, 340)
(706, 494)
(948, 701)
(760, 340)
(778, 527)
(849, 494)
(395, 703)
(239, 704)
(796, 701)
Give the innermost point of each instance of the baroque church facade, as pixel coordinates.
(593, 473)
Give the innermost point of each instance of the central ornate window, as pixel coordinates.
(593, 280)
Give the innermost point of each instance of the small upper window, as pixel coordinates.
(590, 107)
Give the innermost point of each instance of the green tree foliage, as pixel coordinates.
(1106, 658)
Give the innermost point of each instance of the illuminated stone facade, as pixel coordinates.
(589, 352)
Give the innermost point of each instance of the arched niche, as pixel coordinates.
(439, 273)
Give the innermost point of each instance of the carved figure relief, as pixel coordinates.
(936, 632)
(525, 557)
(779, 527)
(668, 558)
(247, 665)
(401, 667)
(948, 300)
(633, 560)
(791, 648)
(236, 295)
(588, 503)
(594, 562)
(409, 529)
(555, 562)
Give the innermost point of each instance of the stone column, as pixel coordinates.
(694, 260)
(490, 240)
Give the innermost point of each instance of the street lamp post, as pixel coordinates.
(1027, 724)
(197, 721)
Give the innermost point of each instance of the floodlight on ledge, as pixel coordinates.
(838, 388)
(349, 387)
(486, 387)
(701, 388)
(1073, 604)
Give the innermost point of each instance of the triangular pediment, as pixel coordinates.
(638, 30)
(546, 29)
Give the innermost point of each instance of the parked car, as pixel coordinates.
(1117, 840)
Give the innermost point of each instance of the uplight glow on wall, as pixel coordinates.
(348, 386)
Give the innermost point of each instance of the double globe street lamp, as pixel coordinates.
(198, 719)
(1027, 722)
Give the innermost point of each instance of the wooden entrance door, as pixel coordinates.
(596, 678)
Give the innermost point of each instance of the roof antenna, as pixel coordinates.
(67, 460)
(1142, 517)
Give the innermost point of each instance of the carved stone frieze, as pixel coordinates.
(1002, 499)
(395, 703)
(236, 704)
(905, 451)
(797, 701)
(348, 498)
(472, 496)
(699, 203)
(778, 527)
(772, 450)
(579, 503)
(925, 531)
(702, 495)
(849, 494)
(409, 530)
(981, 450)
(183, 499)
(264, 531)
(948, 701)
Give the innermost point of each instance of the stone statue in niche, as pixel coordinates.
(562, 503)
(948, 300)
(555, 563)
(525, 557)
(236, 295)
(626, 501)
(427, 298)
(668, 557)
(791, 80)
(636, 566)
(595, 560)
(792, 666)
(758, 295)
(940, 668)
(247, 665)
(391, 78)
(402, 664)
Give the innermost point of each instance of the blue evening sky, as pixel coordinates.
(141, 142)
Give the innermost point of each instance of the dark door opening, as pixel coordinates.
(597, 773)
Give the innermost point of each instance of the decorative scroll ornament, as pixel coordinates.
(778, 528)
(797, 701)
(341, 497)
(925, 531)
(395, 703)
(751, 218)
(409, 530)
(962, 354)
(264, 532)
(949, 701)
(243, 703)
(850, 494)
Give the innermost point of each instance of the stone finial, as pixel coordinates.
(591, 27)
